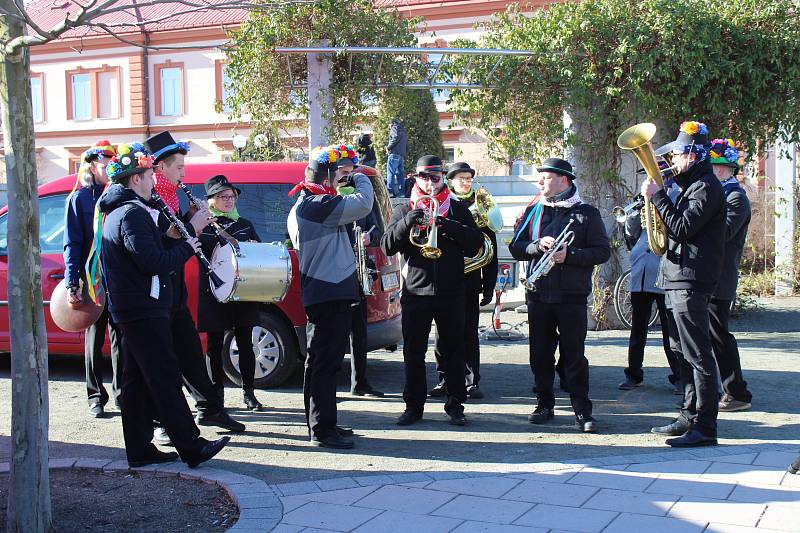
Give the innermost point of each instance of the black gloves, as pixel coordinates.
(415, 216)
(488, 296)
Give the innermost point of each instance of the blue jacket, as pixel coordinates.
(644, 263)
(135, 260)
(79, 231)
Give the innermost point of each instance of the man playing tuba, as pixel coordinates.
(480, 281)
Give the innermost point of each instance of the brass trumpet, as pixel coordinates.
(428, 243)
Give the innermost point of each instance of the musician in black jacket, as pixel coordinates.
(690, 271)
(433, 288)
(557, 313)
(214, 317)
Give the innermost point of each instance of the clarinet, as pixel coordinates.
(162, 206)
(222, 236)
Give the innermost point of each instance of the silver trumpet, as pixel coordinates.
(546, 262)
(362, 268)
(621, 213)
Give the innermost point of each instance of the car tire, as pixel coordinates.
(276, 353)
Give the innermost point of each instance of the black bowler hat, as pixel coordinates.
(430, 163)
(458, 168)
(217, 184)
(557, 166)
(162, 145)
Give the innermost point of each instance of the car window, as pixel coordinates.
(51, 225)
(266, 205)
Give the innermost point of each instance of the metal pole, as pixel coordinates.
(785, 217)
(319, 100)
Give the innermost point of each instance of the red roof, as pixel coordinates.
(49, 13)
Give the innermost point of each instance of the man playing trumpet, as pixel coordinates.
(557, 300)
(434, 284)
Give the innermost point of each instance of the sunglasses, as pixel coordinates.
(429, 177)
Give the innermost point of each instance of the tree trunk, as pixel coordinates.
(29, 507)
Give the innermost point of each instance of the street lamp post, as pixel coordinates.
(239, 142)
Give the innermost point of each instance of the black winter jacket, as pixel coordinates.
(132, 254)
(570, 281)
(79, 230)
(211, 314)
(737, 220)
(398, 139)
(458, 236)
(696, 227)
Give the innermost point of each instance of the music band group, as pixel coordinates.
(130, 239)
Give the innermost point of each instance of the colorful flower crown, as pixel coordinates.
(724, 149)
(130, 158)
(99, 150)
(347, 152)
(329, 155)
(692, 127)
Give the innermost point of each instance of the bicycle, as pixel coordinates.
(622, 301)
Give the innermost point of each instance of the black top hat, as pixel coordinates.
(691, 133)
(558, 166)
(430, 163)
(217, 184)
(162, 145)
(458, 168)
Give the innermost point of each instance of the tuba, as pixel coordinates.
(486, 214)
(637, 139)
(429, 242)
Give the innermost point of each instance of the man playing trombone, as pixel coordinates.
(434, 233)
(562, 238)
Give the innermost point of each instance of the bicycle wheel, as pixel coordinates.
(622, 299)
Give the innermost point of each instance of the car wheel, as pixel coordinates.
(275, 349)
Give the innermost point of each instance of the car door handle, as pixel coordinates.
(56, 275)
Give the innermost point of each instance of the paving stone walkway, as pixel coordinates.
(727, 489)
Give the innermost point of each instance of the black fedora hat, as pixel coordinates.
(162, 145)
(430, 163)
(217, 184)
(458, 168)
(558, 166)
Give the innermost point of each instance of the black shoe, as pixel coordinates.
(457, 418)
(794, 467)
(344, 432)
(693, 438)
(630, 384)
(251, 402)
(209, 450)
(409, 417)
(586, 423)
(474, 392)
(155, 457)
(541, 415)
(96, 410)
(679, 426)
(438, 391)
(367, 391)
(220, 420)
(332, 441)
(161, 437)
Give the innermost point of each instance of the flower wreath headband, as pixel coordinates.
(130, 157)
(692, 127)
(724, 150)
(328, 155)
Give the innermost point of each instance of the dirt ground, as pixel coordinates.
(275, 447)
(94, 501)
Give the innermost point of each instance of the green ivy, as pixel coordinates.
(260, 77)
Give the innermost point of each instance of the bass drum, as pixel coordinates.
(256, 272)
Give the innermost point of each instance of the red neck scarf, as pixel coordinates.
(167, 191)
(312, 188)
(443, 197)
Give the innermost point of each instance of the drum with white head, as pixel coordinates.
(256, 272)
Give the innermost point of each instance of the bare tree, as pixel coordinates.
(29, 507)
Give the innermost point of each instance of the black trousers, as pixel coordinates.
(151, 379)
(690, 337)
(358, 336)
(419, 312)
(472, 348)
(247, 358)
(727, 351)
(642, 303)
(95, 336)
(328, 331)
(563, 326)
(192, 363)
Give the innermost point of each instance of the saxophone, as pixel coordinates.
(486, 214)
(637, 139)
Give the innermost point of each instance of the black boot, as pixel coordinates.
(795, 466)
(251, 402)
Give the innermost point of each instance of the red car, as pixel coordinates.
(280, 340)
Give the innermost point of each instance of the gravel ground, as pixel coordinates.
(499, 438)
